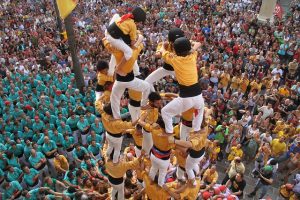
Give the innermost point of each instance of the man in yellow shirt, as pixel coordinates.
(210, 177)
(161, 150)
(224, 80)
(60, 164)
(152, 190)
(102, 77)
(184, 190)
(184, 63)
(127, 80)
(150, 116)
(166, 69)
(236, 151)
(278, 147)
(122, 34)
(114, 129)
(116, 172)
(196, 149)
(137, 136)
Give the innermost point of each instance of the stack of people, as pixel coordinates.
(185, 94)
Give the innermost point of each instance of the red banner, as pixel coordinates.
(278, 11)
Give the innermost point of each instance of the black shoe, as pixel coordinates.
(252, 194)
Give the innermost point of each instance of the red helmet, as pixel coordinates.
(206, 195)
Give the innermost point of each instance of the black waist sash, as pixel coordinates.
(189, 91)
(196, 154)
(115, 181)
(129, 77)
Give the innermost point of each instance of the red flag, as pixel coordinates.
(278, 11)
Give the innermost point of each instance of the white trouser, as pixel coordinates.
(114, 144)
(192, 165)
(75, 136)
(147, 142)
(120, 45)
(117, 189)
(119, 88)
(137, 152)
(160, 166)
(184, 132)
(180, 174)
(84, 138)
(135, 112)
(157, 75)
(180, 105)
(113, 64)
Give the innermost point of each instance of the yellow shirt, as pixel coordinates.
(254, 85)
(105, 97)
(224, 79)
(135, 95)
(211, 177)
(159, 140)
(62, 162)
(118, 170)
(191, 193)
(181, 158)
(128, 27)
(176, 131)
(243, 84)
(188, 115)
(235, 153)
(281, 134)
(137, 137)
(235, 81)
(198, 141)
(278, 147)
(279, 127)
(283, 92)
(169, 48)
(128, 66)
(185, 67)
(152, 190)
(151, 117)
(110, 124)
(103, 78)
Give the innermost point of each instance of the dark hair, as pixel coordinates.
(101, 65)
(129, 174)
(273, 161)
(138, 127)
(160, 122)
(107, 109)
(154, 96)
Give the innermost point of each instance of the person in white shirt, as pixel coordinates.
(266, 137)
(277, 70)
(267, 111)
